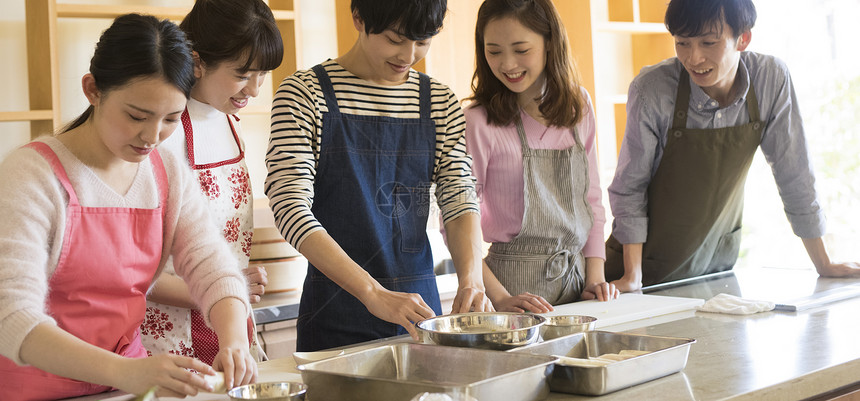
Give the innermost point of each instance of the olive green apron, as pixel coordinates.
(695, 199)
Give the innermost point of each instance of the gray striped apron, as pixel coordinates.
(545, 258)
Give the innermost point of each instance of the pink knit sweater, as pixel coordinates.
(32, 222)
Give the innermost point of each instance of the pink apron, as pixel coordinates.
(98, 290)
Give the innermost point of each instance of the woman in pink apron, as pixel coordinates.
(89, 219)
(531, 135)
(225, 35)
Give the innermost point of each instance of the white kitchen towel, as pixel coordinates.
(727, 303)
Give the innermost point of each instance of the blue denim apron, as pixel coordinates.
(372, 195)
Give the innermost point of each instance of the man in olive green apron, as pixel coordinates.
(699, 228)
(677, 196)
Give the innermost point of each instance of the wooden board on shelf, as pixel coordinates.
(622, 11)
(29, 115)
(652, 10)
(651, 49)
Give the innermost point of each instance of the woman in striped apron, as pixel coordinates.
(531, 134)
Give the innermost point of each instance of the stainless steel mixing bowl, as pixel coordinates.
(272, 391)
(487, 330)
(562, 325)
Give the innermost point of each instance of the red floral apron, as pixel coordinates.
(225, 184)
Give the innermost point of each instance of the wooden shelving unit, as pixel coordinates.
(615, 38)
(43, 64)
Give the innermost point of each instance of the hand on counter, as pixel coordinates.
(237, 364)
(823, 265)
(169, 372)
(840, 270)
(600, 291)
(471, 299)
(626, 284)
(257, 281)
(524, 302)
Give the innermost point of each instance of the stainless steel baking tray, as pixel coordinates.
(401, 371)
(666, 355)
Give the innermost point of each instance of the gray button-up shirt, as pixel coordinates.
(650, 106)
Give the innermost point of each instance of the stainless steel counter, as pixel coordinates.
(761, 357)
(765, 356)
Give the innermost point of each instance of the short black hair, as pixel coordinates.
(414, 19)
(689, 18)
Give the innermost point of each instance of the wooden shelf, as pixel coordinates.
(43, 65)
(31, 115)
(111, 11)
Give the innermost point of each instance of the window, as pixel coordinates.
(816, 39)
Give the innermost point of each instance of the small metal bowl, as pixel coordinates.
(562, 325)
(487, 330)
(273, 391)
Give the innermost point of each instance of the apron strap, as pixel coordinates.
(424, 96)
(752, 105)
(160, 179)
(682, 101)
(327, 89)
(521, 133)
(48, 154)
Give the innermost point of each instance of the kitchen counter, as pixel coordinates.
(766, 356)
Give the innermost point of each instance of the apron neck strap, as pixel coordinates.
(424, 95)
(682, 101)
(521, 132)
(327, 89)
(752, 103)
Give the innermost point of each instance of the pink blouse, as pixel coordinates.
(498, 166)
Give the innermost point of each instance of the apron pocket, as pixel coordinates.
(408, 216)
(726, 253)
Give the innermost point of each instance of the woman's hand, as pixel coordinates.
(173, 374)
(257, 281)
(522, 303)
(600, 291)
(237, 364)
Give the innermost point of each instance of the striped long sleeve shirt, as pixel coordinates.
(294, 146)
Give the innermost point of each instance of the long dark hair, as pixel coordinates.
(136, 46)
(224, 30)
(562, 101)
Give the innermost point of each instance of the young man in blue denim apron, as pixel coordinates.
(356, 144)
(694, 124)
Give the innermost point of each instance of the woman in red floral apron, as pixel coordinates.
(90, 217)
(232, 56)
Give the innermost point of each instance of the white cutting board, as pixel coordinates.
(627, 308)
